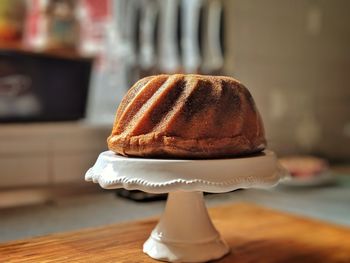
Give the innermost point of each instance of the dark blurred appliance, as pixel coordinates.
(42, 86)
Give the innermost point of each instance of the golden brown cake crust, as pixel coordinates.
(187, 116)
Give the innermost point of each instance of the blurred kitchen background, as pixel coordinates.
(65, 66)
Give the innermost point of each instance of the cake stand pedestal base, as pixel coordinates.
(185, 232)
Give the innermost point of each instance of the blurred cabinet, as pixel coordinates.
(48, 154)
(71, 167)
(23, 171)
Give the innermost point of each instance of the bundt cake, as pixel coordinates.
(187, 116)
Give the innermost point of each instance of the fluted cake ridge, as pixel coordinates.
(187, 116)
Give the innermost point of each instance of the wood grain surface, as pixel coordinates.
(255, 234)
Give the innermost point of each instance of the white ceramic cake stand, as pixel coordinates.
(185, 232)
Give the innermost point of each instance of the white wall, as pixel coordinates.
(294, 56)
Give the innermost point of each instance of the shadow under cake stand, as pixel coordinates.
(185, 232)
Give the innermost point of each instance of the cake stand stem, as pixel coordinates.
(185, 231)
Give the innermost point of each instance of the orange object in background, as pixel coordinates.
(12, 18)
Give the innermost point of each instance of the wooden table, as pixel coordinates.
(255, 234)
